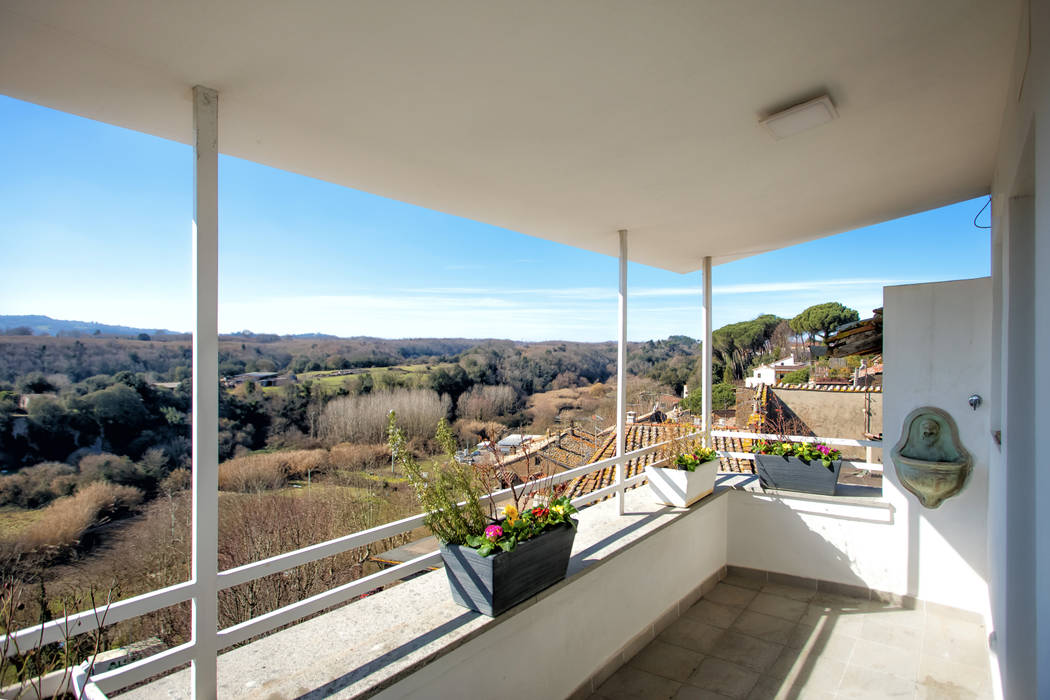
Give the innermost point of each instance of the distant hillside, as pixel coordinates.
(45, 325)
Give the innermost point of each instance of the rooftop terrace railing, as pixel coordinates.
(88, 685)
(869, 445)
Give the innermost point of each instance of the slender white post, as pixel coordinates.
(621, 374)
(205, 563)
(705, 385)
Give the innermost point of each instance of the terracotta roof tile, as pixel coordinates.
(640, 435)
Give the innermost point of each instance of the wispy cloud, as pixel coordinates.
(608, 293)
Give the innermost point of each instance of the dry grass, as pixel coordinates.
(347, 455)
(363, 419)
(270, 470)
(63, 522)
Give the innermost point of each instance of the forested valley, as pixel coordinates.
(95, 447)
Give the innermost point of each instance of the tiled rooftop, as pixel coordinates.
(571, 449)
(641, 435)
(757, 639)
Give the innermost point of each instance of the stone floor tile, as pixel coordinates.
(886, 659)
(793, 592)
(844, 603)
(755, 654)
(713, 613)
(727, 594)
(949, 691)
(667, 660)
(902, 617)
(823, 642)
(861, 683)
(906, 638)
(745, 581)
(960, 641)
(779, 606)
(630, 683)
(788, 659)
(723, 677)
(691, 692)
(821, 676)
(849, 621)
(691, 634)
(941, 678)
(767, 688)
(771, 629)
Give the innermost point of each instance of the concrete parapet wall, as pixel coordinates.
(843, 414)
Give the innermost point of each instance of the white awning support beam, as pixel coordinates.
(621, 373)
(705, 385)
(205, 559)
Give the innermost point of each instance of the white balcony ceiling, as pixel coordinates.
(562, 120)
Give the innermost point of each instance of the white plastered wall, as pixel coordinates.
(1019, 528)
(937, 353)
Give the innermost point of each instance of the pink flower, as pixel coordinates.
(493, 532)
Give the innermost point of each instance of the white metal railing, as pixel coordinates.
(142, 669)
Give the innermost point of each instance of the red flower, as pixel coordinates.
(540, 512)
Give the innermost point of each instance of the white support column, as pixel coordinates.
(705, 385)
(621, 373)
(205, 563)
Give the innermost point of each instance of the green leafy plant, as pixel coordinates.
(806, 451)
(689, 461)
(686, 454)
(451, 498)
(518, 526)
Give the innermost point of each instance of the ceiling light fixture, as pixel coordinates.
(801, 117)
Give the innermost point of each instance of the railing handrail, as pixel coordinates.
(114, 679)
(844, 442)
(88, 620)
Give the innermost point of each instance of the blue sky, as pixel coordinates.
(96, 227)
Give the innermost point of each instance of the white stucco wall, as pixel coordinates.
(761, 375)
(855, 543)
(1019, 525)
(937, 353)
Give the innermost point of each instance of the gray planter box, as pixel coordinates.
(498, 582)
(792, 474)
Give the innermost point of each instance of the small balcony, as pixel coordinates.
(751, 593)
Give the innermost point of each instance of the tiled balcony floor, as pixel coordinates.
(752, 639)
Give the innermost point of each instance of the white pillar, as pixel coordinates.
(621, 373)
(705, 385)
(205, 559)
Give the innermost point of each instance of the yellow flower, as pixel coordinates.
(559, 509)
(510, 512)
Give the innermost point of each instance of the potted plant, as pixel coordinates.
(812, 467)
(492, 563)
(685, 476)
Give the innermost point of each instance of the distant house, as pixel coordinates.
(772, 373)
(514, 442)
(260, 378)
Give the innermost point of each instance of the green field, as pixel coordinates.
(332, 381)
(14, 519)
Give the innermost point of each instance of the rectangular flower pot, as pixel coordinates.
(679, 488)
(793, 474)
(498, 582)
